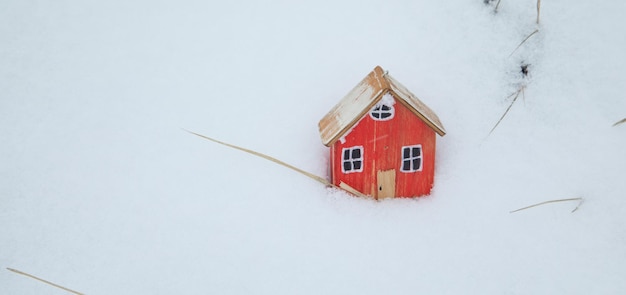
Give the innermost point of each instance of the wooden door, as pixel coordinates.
(386, 184)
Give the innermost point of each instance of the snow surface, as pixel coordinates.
(102, 192)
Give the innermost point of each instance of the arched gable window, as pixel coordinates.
(382, 112)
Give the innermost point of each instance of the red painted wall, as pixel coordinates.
(382, 143)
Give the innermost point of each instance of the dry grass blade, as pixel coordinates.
(264, 156)
(619, 122)
(497, 4)
(279, 162)
(43, 281)
(538, 10)
(552, 201)
(507, 109)
(525, 39)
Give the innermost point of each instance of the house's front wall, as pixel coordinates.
(382, 143)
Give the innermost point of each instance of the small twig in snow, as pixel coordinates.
(619, 122)
(43, 281)
(552, 201)
(518, 46)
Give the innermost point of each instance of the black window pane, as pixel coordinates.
(347, 166)
(385, 115)
(357, 165)
(385, 108)
(376, 115)
(406, 153)
(406, 165)
(346, 154)
(417, 164)
(356, 153)
(417, 152)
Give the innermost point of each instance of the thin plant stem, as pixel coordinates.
(525, 39)
(552, 201)
(279, 162)
(43, 281)
(619, 122)
(538, 10)
(264, 156)
(507, 109)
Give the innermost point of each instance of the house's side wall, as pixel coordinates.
(382, 143)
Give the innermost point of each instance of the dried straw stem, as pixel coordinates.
(552, 201)
(43, 281)
(497, 4)
(619, 122)
(525, 39)
(279, 162)
(264, 156)
(520, 90)
(538, 10)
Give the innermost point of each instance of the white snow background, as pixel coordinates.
(103, 192)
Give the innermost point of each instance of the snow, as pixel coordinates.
(104, 193)
(387, 99)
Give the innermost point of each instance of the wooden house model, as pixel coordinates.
(382, 139)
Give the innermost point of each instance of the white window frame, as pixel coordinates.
(352, 160)
(411, 158)
(378, 109)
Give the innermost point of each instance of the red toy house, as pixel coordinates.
(382, 139)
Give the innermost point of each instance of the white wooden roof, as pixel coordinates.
(363, 97)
